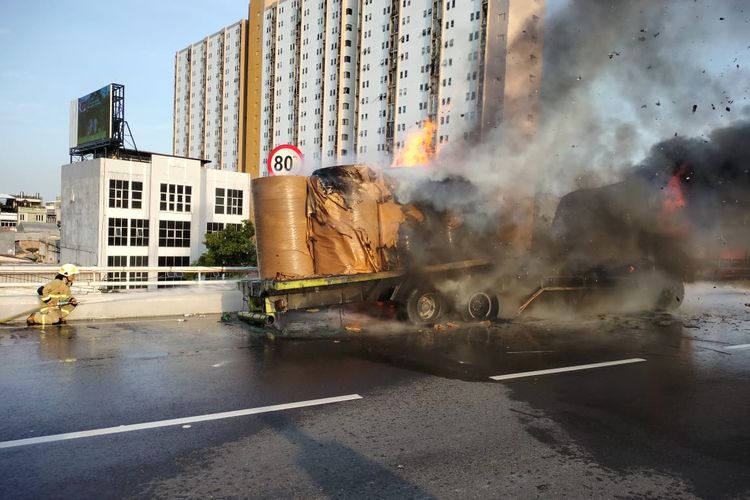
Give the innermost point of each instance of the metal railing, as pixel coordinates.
(115, 278)
(718, 268)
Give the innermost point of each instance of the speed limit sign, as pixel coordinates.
(285, 160)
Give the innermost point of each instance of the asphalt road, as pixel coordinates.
(422, 417)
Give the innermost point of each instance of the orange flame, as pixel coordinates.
(673, 202)
(419, 148)
(673, 197)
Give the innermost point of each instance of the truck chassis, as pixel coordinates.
(418, 299)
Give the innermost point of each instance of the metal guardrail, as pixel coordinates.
(119, 278)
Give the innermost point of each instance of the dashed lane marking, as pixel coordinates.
(176, 421)
(566, 369)
(738, 347)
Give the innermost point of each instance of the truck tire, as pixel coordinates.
(480, 306)
(671, 297)
(425, 306)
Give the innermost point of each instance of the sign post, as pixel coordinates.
(286, 159)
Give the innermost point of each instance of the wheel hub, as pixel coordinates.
(480, 305)
(427, 306)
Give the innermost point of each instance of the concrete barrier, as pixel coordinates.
(204, 299)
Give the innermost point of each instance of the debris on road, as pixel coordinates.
(450, 325)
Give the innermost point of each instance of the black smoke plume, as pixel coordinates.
(687, 202)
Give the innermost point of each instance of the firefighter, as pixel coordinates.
(56, 299)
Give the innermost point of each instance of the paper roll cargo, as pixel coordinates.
(344, 223)
(280, 205)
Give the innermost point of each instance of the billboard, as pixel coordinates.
(91, 118)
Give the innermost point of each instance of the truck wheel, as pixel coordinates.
(424, 306)
(671, 296)
(480, 306)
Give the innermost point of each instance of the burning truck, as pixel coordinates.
(686, 208)
(346, 235)
(435, 246)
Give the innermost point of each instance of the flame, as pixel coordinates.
(673, 197)
(419, 148)
(671, 218)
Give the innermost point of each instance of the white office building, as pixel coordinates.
(209, 94)
(146, 213)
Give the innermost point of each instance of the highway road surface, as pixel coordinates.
(637, 406)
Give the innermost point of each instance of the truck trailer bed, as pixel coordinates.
(267, 299)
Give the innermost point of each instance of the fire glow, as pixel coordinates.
(673, 203)
(419, 148)
(673, 197)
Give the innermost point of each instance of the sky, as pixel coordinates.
(55, 51)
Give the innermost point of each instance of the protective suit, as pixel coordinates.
(56, 300)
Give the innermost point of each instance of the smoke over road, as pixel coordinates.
(650, 98)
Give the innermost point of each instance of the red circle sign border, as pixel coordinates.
(276, 150)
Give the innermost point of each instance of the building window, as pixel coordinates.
(234, 201)
(213, 227)
(118, 193)
(136, 194)
(172, 261)
(138, 232)
(138, 261)
(117, 261)
(174, 233)
(175, 198)
(220, 197)
(118, 232)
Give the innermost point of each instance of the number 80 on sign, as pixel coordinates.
(286, 159)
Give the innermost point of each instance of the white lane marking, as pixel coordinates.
(175, 421)
(566, 369)
(739, 346)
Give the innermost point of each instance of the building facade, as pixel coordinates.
(8, 212)
(351, 81)
(28, 229)
(209, 99)
(53, 211)
(21, 208)
(153, 213)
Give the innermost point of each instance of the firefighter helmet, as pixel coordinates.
(68, 270)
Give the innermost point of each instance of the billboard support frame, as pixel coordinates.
(118, 114)
(107, 147)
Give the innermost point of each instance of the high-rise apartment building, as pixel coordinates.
(351, 80)
(209, 99)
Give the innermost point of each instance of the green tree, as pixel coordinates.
(233, 246)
